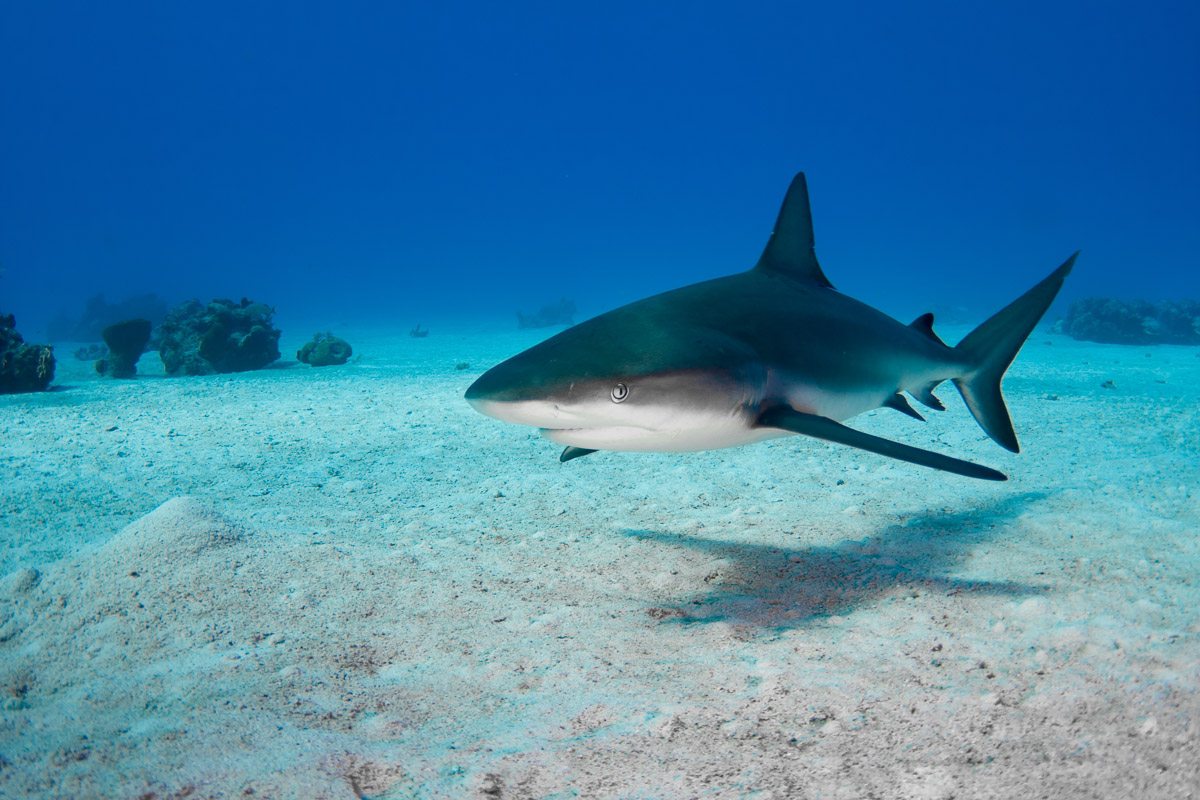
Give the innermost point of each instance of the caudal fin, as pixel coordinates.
(991, 347)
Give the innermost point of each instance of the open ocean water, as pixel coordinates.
(239, 573)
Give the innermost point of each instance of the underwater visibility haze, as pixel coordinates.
(262, 264)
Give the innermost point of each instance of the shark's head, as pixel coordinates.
(617, 382)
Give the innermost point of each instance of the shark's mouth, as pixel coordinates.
(618, 431)
(601, 433)
(650, 440)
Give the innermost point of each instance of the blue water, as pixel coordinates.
(397, 163)
(346, 583)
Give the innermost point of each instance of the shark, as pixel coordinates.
(769, 352)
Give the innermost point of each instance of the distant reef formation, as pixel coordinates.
(99, 314)
(325, 350)
(90, 352)
(126, 342)
(1102, 319)
(222, 336)
(560, 313)
(23, 367)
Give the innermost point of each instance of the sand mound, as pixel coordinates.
(178, 530)
(145, 653)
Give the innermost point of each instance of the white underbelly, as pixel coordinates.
(734, 429)
(839, 406)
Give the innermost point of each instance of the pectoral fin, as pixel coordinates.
(574, 452)
(818, 427)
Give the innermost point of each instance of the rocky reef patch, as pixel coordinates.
(1110, 321)
(325, 350)
(126, 342)
(23, 367)
(222, 336)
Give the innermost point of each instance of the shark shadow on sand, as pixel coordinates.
(789, 587)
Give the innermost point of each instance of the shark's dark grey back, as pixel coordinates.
(790, 249)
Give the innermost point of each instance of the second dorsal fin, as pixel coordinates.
(789, 251)
(924, 324)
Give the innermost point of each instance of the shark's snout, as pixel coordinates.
(503, 383)
(487, 395)
(504, 393)
(485, 388)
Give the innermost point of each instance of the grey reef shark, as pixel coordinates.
(769, 352)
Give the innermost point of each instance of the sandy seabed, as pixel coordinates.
(343, 582)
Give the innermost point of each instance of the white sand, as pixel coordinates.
(344, 583)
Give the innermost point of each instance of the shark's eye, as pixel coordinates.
(619, 393)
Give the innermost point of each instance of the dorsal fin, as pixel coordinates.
(789, 251)
(924, 324)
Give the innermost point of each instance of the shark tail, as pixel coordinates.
(991, 348)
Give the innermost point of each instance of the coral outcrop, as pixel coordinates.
(23, 367)
(560, 313)
(222, 336)
(126, 342)
(1102, 319)
(325, 350)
